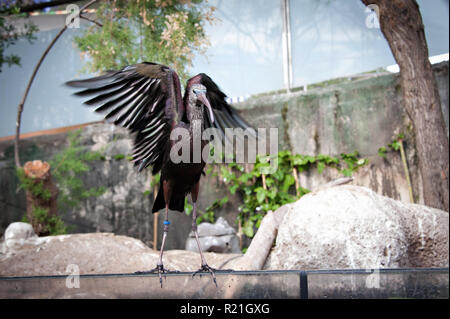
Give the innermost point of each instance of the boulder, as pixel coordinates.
(19, 235)
(334, 228)
(92, 253)
(218, 237)
(353, 227)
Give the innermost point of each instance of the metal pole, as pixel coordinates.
(286, 44)
(155, 221)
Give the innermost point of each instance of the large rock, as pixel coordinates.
(353, 227)
(18, 235)
(219, 237)
(93, 253)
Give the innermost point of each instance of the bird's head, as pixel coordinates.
(197, 98)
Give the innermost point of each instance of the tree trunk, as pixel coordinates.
(39, 172)
(401, 24)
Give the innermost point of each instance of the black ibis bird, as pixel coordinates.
(146, 99)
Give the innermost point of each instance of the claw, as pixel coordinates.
(206, 268)
(158, 269)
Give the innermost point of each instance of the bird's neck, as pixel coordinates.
(196, 124)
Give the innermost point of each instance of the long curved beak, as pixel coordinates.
(202, 97)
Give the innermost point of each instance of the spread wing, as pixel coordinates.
(144, 98)
(225, 116)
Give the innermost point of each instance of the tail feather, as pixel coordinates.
(159, 201)
(176, 200)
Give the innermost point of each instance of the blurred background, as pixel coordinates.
(256, 46)
(320, 71)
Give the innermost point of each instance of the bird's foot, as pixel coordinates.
(159, 269)
(206, 268)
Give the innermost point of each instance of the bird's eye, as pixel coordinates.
(199, 91)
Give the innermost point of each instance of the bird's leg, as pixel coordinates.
(159, 266)
(194, 229)
(204, 267)
(167, 188)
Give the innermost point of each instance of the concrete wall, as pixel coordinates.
(362, 113)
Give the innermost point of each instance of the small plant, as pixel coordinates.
(397, 146)
(353, 162)
(382, 152)
(396, 143)
(187, 207)
(119, 157)
(51, 225)
(209, 214)
(67, 168)
(28, 184)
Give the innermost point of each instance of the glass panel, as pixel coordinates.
(245, 53)
(333, 39)
(342, 284)
(239, 285)
(379, 284)
(329, 39)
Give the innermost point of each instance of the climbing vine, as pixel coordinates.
(262, 193)
(394, 145)
(397, 146)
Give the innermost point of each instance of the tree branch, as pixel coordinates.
(43, 5)
(91, 20)
(30, 82)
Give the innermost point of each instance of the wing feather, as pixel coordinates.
(142, 98)
(224, 114)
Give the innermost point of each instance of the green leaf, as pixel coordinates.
(260, 194)
(279, 175)
(310, 159)
(382, 152)
(245, 177)
(347, 172)
(303, 191)
(187, 207)
(395, 145)
(118, 157)
(247, 229)
(223, 201)
(155, 180)
(320, 167)
(269, 181)
(233, 188)
(272, 194)
(288, 181)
